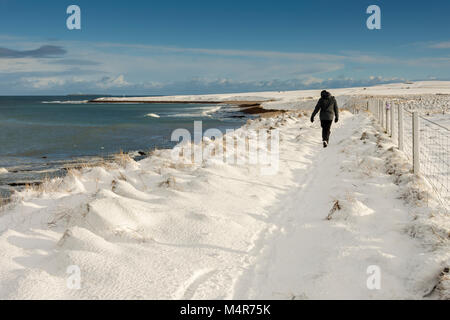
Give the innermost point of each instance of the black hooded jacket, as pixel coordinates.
(327, 106)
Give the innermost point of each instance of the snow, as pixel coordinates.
(170, 229)
(310, 257)
(152, 115)
(304, 99)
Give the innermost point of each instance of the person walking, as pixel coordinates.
(328, 108)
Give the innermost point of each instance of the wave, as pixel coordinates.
(67, 102)
(210, 111)
(3, 170)
(199, 112)
(152, 115)
(184, 115)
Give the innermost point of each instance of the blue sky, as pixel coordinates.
(170, 47)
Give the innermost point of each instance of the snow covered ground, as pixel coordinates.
(306, 99)
(317, 253)
(167, 229)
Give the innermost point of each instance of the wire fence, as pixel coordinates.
(434, 156)
(424, 141)
(408, 133)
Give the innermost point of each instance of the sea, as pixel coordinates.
(42, 136)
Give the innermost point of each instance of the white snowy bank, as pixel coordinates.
(161, 229)
(305, 99)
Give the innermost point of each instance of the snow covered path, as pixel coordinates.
(306, 256)
(158, 229)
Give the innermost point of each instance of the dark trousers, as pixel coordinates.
(326, 125)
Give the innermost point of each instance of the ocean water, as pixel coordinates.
(42, 135)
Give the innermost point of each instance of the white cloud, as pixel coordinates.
(226, 52)
(311, 81)
(441, 45)
(112, 82)
(43, 82)
(147, 69)
(118, 85)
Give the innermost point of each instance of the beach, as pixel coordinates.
(45, 136)
(229, 228)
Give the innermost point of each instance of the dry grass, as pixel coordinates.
(113, 185)
(122, 177)
(47, 184)
(416, 191)
(336, 207)
(442, 286)
(53, 184)
(87, 165)
(73, 172)
(67, 234)
(444, 283)
(64, 215)
(35, 187)
(122, 159)
(170, 182)
(153, 152)
(364, 136)
(4, 201)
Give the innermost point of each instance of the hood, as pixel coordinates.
(325, 94)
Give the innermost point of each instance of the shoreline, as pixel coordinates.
(11, 187)
(247, 107)
(232, 102)
(266, 104)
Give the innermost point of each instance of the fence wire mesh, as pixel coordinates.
(434, 156)
(434, 150)
(408, 134)
(394, 132)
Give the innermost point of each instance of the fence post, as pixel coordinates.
(374, 107)
(391, 114)
(400, 127)
(388, 130)
(381, 113)
(380, 118)
(377, 104)
(416, 146)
